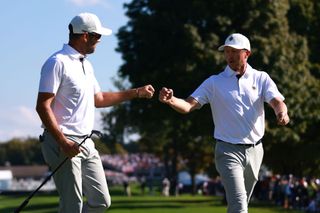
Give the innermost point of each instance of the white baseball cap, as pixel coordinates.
(237, 41)
(88, 22)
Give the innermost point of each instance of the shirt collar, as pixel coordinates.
(73, 53)
(228, 72)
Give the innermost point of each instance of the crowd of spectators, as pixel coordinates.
(287, 191)
(143, 168)
(290, 192)
(131, 163)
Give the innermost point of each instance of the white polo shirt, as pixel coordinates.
(237, 106)
(74, 89)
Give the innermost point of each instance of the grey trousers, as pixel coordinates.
(239, 168)
(81, 175)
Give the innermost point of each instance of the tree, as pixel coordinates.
(21, 152)
(304, 19)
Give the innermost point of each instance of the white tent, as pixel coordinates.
(5, 179)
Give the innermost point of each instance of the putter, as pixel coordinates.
(26, 201)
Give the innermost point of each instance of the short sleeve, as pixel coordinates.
(270, 89)
(204, 91)
(51, 76)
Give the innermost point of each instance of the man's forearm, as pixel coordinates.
(281, 111)
(279, 107)
(106, 99)
(183, 106)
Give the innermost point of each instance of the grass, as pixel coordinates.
(48, 203)
(136, 204)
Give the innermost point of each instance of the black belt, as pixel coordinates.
(67, 135)
(242, 144)
(77, 136)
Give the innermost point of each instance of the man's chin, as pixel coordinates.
(233, 67)
(90, 51)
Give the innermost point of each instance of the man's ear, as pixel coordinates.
(248, 53)
(85, 36)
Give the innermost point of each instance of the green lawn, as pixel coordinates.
(136, 204)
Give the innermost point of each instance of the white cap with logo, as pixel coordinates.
(237, 41)
(88, 22)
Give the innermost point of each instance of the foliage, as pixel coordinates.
(21, 152)
(28, 151)
(304, 19)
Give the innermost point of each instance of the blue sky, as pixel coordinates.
(30, 32)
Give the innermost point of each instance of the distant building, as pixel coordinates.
(24, 178)
(22, 172)
(5, 179)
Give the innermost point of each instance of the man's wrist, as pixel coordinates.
(137, 93)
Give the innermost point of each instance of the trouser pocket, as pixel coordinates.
(50, 150)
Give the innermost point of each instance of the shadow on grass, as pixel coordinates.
(118, 203)
(187, 201)
(44, 208)
(163, 203)
(14, 201)
(143, 205)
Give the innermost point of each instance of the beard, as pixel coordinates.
(91, 47)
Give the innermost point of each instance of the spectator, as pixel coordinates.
(165, 187)
(142, 184)
(126, 187)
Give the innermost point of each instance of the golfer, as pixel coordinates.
(68, 95)
(236, 97)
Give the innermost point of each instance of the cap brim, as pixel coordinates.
(104, 31)
(221, 48)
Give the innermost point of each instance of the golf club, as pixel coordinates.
(26, 201)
